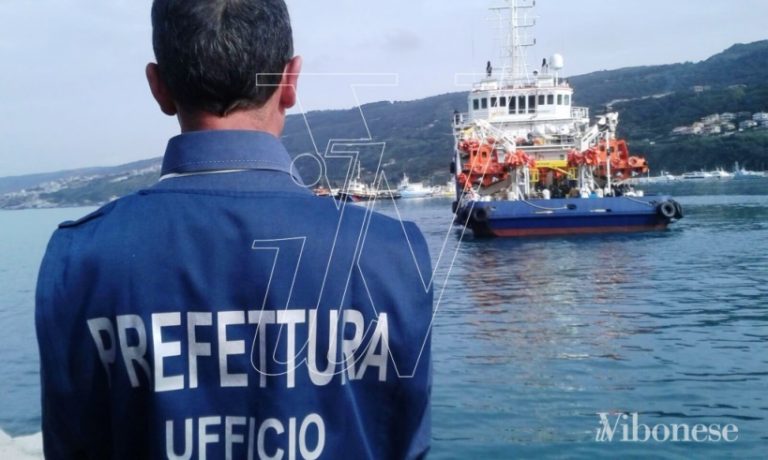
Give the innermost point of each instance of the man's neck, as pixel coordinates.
(245, 120)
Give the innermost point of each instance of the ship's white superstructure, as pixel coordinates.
(535, 107)
(528, 162)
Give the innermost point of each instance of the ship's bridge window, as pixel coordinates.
(520, 104)
(542, 99)
(559, 99)
(550, 99)
(567, 99)
(484, 103)
(512, 105)
(503, 101)
(494, 102)
(531, 104)
(476, 104)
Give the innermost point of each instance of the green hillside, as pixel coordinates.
(707, 152)
(417, 134)
(740, 64)
(651, 100)
(16, 183)
(647, 123)
(657, 99)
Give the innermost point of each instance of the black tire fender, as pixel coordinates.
(667, 209)
(678, 210)
(480, 215)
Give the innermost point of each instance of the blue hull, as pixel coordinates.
(568, 216)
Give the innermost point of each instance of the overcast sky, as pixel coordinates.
(72, 89)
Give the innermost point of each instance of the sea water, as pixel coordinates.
(534, 338)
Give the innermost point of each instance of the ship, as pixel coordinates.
(698, 175)
(408, 189)
(528, 162)
(357, 191)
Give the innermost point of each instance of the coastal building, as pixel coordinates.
(724, 123)
(713, 130)
(682, 131)
(747, 124)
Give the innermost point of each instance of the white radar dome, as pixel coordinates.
(557, 61)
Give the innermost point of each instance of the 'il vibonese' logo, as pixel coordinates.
(626, 427)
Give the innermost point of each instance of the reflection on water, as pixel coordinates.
(534, 337)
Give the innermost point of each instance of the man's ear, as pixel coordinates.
(160, 91)
(289, 83)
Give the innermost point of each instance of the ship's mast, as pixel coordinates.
(514, 23)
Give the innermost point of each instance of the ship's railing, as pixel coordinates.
(497, 85)
(459, 119)
(579, 112)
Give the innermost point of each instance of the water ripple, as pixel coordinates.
(534, 337)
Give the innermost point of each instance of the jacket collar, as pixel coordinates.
(212, 151)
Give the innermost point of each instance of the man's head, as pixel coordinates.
(219, 58)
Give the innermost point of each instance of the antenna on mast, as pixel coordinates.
(515, 39)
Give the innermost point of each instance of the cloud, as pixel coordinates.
(401, 41)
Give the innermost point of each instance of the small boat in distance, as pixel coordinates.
(357, 191)
(407, 189)
(697, 175)
(742, 173)
(720, 173)
(322, 191)
(717, 174)
(663, 177)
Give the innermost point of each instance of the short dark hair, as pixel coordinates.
(210, 52)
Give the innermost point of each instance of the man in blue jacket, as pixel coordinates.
(226, 312)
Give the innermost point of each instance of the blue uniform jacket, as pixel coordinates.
(226, 312)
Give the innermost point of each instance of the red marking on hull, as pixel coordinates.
(523, 232)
